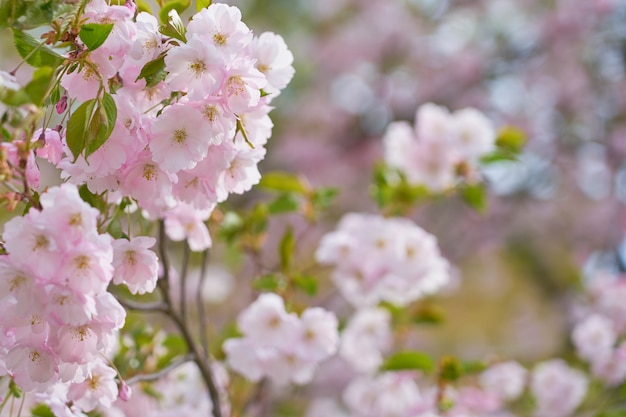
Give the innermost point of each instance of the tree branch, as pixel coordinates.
(201, 359)
(200, 302)
(162, 372)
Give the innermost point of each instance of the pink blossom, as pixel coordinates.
(14, 156)
(611, 368)
(83, 84)
(98, 389)
(202, 186)
(506, 380)
(318, 337)
(594, 338)
(266, 322)
(184, 222)
(32, 366)
(383, 259)
(196, 67)
(274, 60)
(220, 25)
(52, 149)
(178, 138)
(386, 395)
(145, 180)
(135, 265)
(242, 85)
(149, 42)
(243, 358)
(243, 172)
(366, 337)
(557, 388)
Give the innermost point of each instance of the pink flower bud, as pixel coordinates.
(125, 391)
(62, 104)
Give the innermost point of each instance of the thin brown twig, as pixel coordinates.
(175, 363)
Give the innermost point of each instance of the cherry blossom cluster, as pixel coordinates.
(557, 388)
(597, 332)
(196, 135)
(57, 319)
(279, 345)
(366, 337)
(391, 394)
(383, 259)
(440, 146)
(181, 392)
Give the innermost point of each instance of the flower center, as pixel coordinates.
(219, 39)
(197, 67)
(131, 257)
(41, 242)
(236, 85)
(211, 113)
(180, 135)
(149, 172)
(16, 282)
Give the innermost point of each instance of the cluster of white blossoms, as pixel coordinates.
(57, 319)
(279, 345)
(366, 337)
(440, 145)
(195, 136)
(181, 393)
(557, 388)
(407, 394)
(597, 335)
(383, 259)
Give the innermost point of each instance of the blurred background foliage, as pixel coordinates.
(553, 68)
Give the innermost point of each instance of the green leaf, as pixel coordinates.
(115, 229)
(41, 410)
(173, 25)
(511, 138)
(286, 249)
(143, 6)
(14, 97)
(39, 12)
(202, 4)
(102, 124)
(498, 156)
(428, 314)
(54, 97)
(37, 88)
(14, 390)
(179, 6)
(77, 125)
(612, 413)
(324, 197)
(34, 52)
(94, 200)
(154, 71)
(473, 367)
(93, 35)
(268, 282)
(175, 344)
(282, 181)
(91, 125)
(476, 196)
(256, 223)
(33, 92)
(450, 369)
(306, 283)
(285, 203)
(408, 360)
(11, 11)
